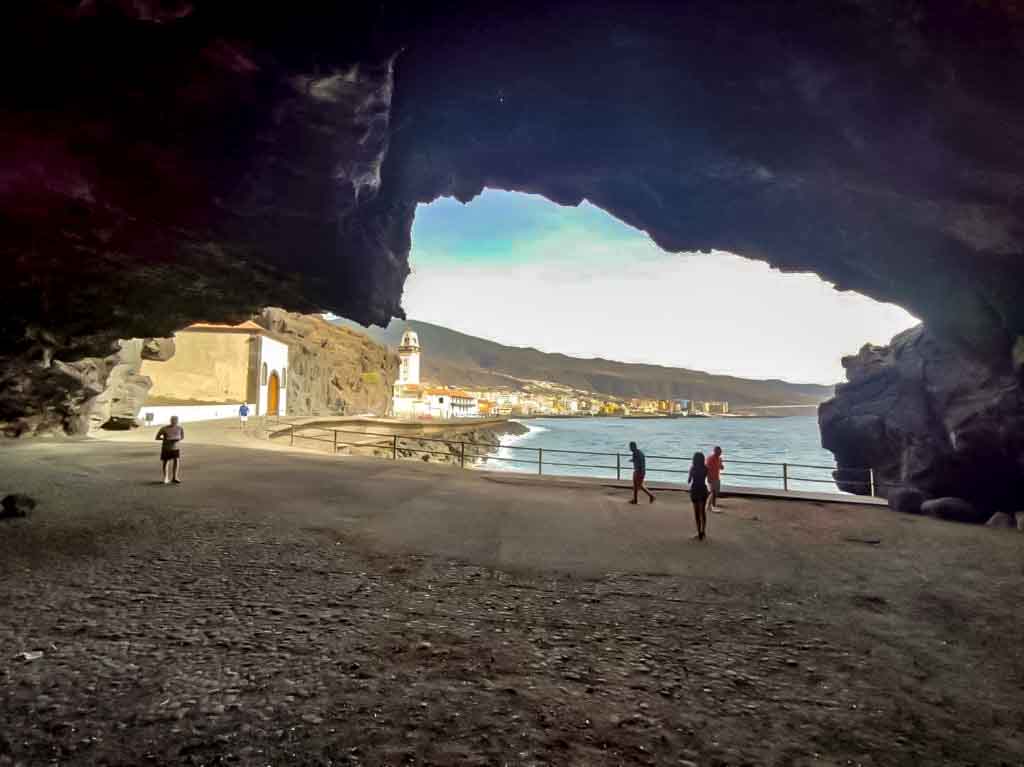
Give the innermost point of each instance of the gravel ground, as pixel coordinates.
(203, 630)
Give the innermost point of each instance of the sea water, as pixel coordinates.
(754, 449)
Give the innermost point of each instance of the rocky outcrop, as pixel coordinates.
(332, 370)
(1003, 521)
(230, 159)
(460, 447)
(930, 414)
(125, 389)
(42, 395)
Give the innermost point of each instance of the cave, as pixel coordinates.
(165, 162)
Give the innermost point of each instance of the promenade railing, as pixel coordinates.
(784, 475)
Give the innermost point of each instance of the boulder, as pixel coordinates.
(123, 389)
(1003, 520)
(953, 510)
(16, 505)
(926, 412)
(1020, 520)
(906, 499)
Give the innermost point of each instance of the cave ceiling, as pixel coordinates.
(165, 162)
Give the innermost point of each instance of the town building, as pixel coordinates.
(413, 399)
(407, 399)
(215, 368)
(450, 403)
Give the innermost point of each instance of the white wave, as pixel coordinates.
(508, 440)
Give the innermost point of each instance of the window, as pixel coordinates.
(263, 375)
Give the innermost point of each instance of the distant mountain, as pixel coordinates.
(451, 357)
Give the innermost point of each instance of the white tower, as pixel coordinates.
(409, 353)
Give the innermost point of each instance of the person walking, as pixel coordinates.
(715, 464)
(170, 453)
(699, 493)
(243, 414)
(639, 461)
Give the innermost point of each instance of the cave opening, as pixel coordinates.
(524, 271)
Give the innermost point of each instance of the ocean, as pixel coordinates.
(669, 444)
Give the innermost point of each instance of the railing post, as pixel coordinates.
(540, 460)
(394, 447)
(462, 455)
(291, 432)
(618, 466)
(335, 433)
(871, 480)
(785, 476)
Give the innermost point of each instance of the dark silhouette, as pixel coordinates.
(170, 454)
(715, 464)
(699, 493)
(639, 461)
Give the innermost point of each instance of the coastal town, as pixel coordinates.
(420, 400)
(209, 370)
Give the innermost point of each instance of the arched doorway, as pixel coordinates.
(273, 394)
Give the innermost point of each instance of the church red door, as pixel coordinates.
(273, 394)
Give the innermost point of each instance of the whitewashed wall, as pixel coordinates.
(159, 415)
(275, 355)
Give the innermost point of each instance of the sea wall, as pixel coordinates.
(452, 443)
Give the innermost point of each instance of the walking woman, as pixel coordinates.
(699, 493)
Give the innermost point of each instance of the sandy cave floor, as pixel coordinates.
(279, 608)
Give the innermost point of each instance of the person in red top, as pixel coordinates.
(714, 466)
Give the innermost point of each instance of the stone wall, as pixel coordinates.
(333, 370)
(207, 368)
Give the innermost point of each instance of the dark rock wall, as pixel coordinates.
(332, 370)
(927, 415)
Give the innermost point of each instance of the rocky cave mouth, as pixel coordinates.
(522, 271)
(265, 158)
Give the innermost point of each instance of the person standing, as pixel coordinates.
(169, 437)
(639, 461)
(715, 464)
(243, 414)
(699, 493)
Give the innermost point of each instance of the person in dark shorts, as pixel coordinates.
(639, 461)
(715, 465)
(169, 437)
(699, 493)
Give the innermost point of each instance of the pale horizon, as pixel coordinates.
(521, 271)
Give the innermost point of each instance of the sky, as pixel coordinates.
(522, 271)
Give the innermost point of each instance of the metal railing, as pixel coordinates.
(396, 445)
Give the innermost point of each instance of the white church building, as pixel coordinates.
(215, 368)
(412, 399)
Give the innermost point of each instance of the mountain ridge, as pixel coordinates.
(453, 357)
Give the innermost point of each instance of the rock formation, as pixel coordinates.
(42, 395)
(929, 415)
(163, 162)
(332, 370)
(480, 444)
